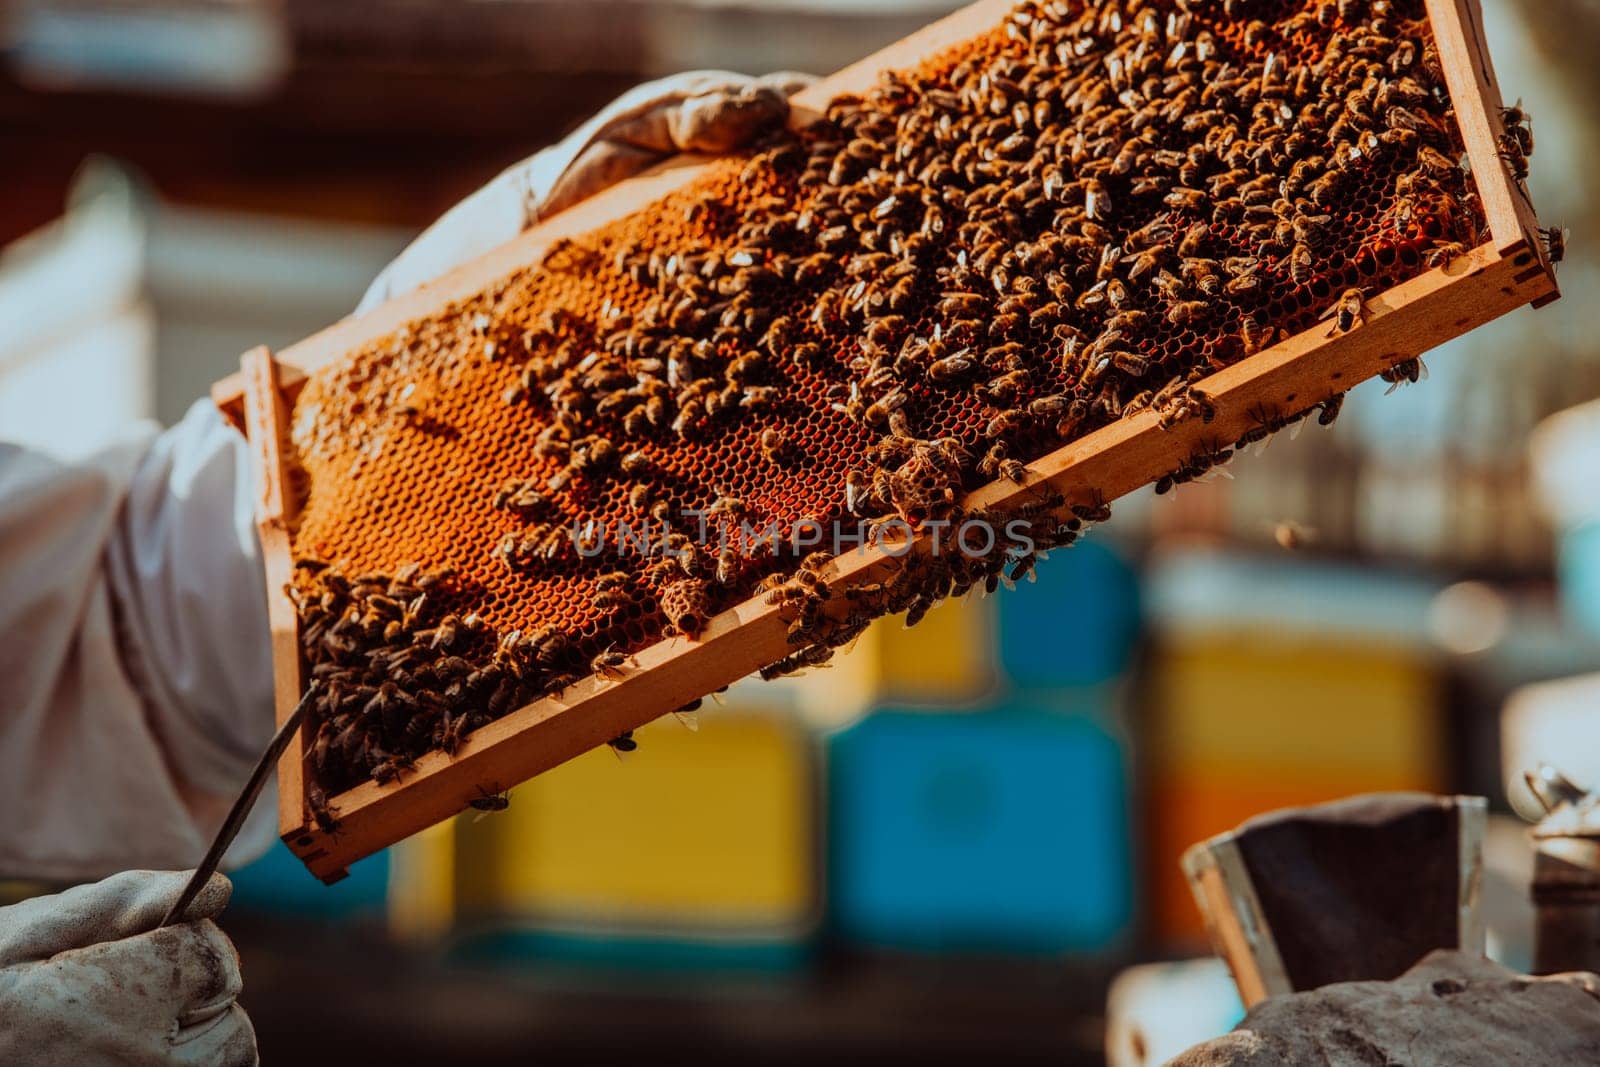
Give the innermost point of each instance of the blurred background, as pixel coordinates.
(956, 840)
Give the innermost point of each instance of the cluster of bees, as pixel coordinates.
(1075, 218)
(394, 674)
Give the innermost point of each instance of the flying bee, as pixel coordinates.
(1404, 372)
(1348, 313)
(1290, 535)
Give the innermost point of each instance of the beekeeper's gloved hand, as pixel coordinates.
(87, 979)
(711, 112)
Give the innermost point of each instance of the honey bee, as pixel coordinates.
(323, 813)
(774, 446)
(1330, 409)
(1441, 254)
(856, 489)
(1255, 334)
(1516, 160)
(1555, 243)
(609, 663)
(1436, 163)
(1519, 126)
(1300, 264)
(1348, 313)
(952, 369)
(1182, 199)
(1004, 423)
(1188, 312)
(1194, 241)
(1407, 371)
(1096, 200)
(1243, 284)
(490, 800)
(1130, 363)
(611, 591)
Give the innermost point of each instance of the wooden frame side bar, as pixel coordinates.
(266, 425)
(1469, 75)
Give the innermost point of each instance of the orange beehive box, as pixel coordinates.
(283, 402)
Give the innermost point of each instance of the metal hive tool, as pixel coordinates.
(387, 443)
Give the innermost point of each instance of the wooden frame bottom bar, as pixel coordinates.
(1273, 384)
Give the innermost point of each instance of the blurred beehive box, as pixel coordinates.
(999, 830)
(947, 662)
(1507, 270)
(1275, 686)
(701, 845)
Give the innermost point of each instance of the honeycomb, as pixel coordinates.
(1069, 218)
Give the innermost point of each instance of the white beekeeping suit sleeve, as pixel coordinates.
(135, 670)
(135, 655)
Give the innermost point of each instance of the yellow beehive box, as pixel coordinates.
(1289, 705)
(946, 661)
(1274, 684)
(709, 830)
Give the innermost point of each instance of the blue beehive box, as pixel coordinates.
(1580, 574)
(1076, 624)
(279, 884)
(1003, 830)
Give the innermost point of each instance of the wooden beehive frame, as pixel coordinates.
(1508, 270)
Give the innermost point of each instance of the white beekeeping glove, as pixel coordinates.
(87, 979)
(710, 112)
